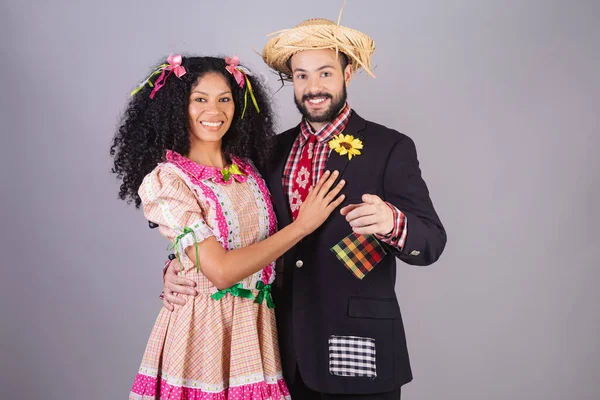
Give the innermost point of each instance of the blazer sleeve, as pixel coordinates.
(405, 189)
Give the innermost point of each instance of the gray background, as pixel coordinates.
(501, 98)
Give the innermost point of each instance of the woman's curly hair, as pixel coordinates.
(150, 127)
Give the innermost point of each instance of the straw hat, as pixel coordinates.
(315, 34)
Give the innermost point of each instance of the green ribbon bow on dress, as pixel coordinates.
(235, 290)
(233, 169)
(264, 292)
(175, 245)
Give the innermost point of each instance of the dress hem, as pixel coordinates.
(147, 387)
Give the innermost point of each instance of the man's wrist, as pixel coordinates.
(389, 234)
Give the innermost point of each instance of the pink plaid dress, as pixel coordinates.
(220, 344)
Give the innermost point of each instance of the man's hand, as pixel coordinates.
(175, 284)
(373, 216)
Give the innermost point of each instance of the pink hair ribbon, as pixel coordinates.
(233, 68)
(241, 77)
(173, 65)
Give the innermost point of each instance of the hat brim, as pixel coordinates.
(357, 46)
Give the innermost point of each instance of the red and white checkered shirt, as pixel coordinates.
(321, 152)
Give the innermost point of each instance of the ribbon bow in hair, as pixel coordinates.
(173, 65)
(233, 68)
(241, 77)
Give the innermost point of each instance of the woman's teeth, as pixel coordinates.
(212, 124)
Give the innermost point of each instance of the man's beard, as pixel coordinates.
(329, 114)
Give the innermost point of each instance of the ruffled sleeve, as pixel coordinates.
(170, 203)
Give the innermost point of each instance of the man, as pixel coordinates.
(340, 328)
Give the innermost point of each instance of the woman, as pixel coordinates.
(183, 152)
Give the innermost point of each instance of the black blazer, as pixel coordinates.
(322, 298)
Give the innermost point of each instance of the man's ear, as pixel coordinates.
(348, 73)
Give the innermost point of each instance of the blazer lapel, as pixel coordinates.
(282, 152)
(355, 127)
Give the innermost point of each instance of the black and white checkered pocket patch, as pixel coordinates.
(352, 356)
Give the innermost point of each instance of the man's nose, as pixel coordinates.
(314, 85)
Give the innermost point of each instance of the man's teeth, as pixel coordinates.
(212, 124)
(317, 101)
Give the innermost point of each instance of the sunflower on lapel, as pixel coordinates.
(346, 145)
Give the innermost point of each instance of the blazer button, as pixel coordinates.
(299, 264)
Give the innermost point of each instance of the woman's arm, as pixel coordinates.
(225, 268)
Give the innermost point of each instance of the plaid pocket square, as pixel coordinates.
(359, 253)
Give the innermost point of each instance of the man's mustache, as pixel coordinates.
(316, 95)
